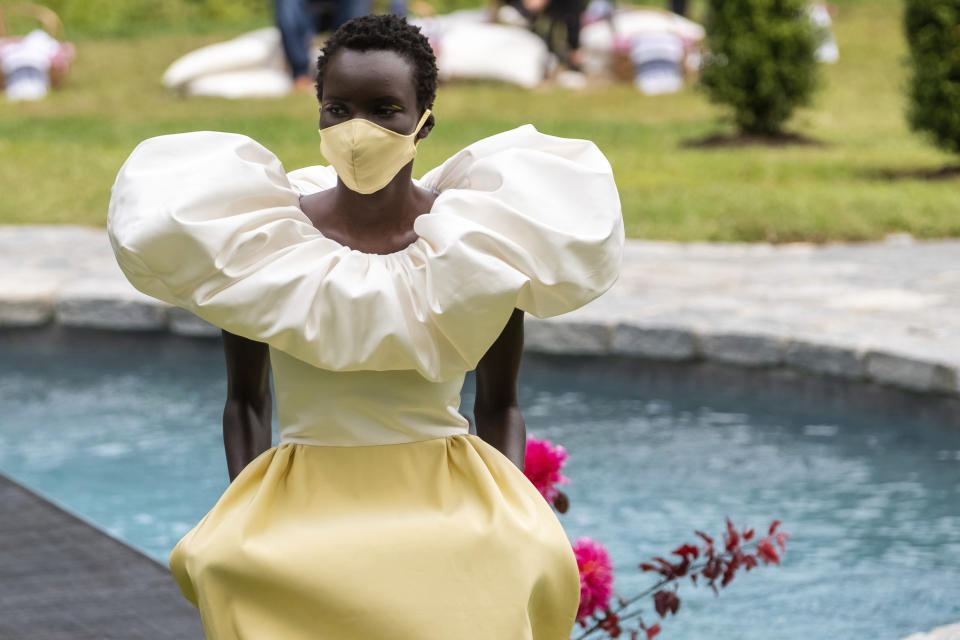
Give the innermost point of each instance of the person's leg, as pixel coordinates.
(349, 9)
(566, 13)
(296, 31)
(324, 15)
(573, 36)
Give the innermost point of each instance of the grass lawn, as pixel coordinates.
(59, 156)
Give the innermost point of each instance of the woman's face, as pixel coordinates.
(374, 85)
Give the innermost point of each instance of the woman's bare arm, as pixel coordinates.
(247, 412)
(497, 415)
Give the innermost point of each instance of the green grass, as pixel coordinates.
(59, 157)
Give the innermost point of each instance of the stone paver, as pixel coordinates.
(886, 312)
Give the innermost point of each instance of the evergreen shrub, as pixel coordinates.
(933, 34)
(760, 60)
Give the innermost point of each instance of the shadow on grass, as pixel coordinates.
(946, 172)
(735, 140)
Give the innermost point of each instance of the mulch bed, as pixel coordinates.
(949, 172)
(734, 140)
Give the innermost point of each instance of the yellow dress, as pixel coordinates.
(378, 515)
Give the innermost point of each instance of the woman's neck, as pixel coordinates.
(380, 222)
(392, 207)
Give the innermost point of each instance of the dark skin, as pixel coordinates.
(376, 86)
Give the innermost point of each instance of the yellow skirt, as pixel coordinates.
(442, 539)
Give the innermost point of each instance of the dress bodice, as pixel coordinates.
(354, 408)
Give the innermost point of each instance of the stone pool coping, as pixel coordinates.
(886, 312)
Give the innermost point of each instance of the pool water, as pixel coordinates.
(126, 434)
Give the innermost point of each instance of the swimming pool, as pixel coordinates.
(125, 432)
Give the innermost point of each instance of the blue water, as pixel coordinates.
(127, 435)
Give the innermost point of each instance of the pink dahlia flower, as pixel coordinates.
(542, 466)
(596, 576)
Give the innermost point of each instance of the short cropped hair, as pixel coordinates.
(386, 33)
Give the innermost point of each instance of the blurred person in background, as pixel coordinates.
(560, 14)
(300, 21)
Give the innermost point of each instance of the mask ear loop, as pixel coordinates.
(423, 120)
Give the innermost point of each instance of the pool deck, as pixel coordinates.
(886, 312)
(63, 579)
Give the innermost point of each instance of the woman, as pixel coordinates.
(369, 295)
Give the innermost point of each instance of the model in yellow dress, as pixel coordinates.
(378, 515)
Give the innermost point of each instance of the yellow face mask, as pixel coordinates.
(366, 156)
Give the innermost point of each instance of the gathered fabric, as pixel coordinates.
(432, 540)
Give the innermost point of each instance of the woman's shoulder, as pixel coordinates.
(209, 154)
(521, 148)
(192, 147)
(215, 168)
(536, 210)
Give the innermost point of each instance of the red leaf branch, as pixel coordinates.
(705, 563)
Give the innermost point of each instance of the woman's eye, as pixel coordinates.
(335, 109)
